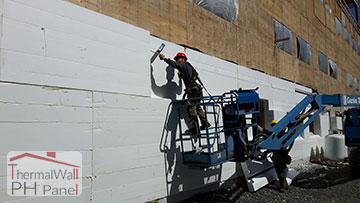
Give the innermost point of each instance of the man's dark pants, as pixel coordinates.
(194, 91)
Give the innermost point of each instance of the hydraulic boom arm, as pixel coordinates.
(292, 125)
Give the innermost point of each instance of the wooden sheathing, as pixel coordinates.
(319, 11)
(286, 66)
(250, 40)
(165, 19)
(241, 43)
(211, 34)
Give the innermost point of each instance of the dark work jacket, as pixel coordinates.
(187, 71)
(279, 158)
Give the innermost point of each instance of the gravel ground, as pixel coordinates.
(315, 183)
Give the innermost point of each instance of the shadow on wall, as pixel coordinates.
(168, 90)
(178, 177)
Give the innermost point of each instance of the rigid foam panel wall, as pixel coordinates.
(35, 118)
(58, 43)
(84, 83)
(218, 76)
(127, 159)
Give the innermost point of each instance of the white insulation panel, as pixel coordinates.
(73, 79)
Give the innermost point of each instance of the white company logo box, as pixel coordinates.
(351, 100)
(39, 173)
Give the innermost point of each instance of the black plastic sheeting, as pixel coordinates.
(328, 9)
(303, 50)
(338, 26)
(226, 9)
(354, 45)
(349, 80)
(323, 63)
(283, 37)
(333, 69)
(346, 35)
(356, 84)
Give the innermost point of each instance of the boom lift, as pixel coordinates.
(235, 135)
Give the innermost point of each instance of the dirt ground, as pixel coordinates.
(316, 183)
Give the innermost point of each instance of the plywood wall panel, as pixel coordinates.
(198, 36)
(252, 51)
(211, 33)
(265, 27)
(291, 16)
(241, 45)
(178, 26)
(330, 21)
(286, 66)
(267, 58)
(319, 11)
(310, 14)
(305, 72)
(274, 8)
(185, 23)
(304, 29)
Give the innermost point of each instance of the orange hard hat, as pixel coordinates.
(180, 54)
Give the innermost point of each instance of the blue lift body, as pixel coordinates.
(235, 137)
(352, 128)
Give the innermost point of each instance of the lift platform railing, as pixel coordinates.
(232, 115)
(211, 142)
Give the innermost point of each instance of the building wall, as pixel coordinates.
(250, 40)
(73, 79)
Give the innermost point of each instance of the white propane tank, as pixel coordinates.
(335, 147)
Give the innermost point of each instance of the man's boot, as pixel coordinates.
(190, 131)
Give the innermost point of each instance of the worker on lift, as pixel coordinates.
(280, 159)
(193, 90)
